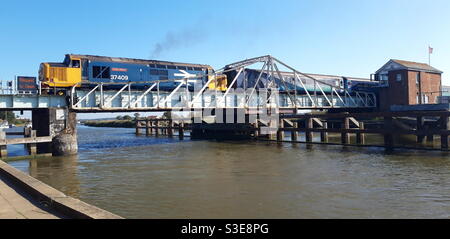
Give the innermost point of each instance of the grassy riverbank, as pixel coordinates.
(110, 123)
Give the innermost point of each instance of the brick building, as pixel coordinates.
(408, 83)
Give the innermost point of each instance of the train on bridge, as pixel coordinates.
(289, 83)
(85, 70)
(88, 70)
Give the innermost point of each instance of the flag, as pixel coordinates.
(430, 50)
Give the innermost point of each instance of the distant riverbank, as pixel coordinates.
(110, 123)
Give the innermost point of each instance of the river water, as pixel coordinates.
(148, 177)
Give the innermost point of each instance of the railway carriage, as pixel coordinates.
(249, 78)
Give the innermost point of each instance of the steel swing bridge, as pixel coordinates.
(124, 97)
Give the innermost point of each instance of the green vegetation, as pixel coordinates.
(110, 123)
(125, 117)
(11, 118)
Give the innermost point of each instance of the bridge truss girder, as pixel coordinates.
(250, 97)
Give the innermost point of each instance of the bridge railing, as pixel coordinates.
(262, 92)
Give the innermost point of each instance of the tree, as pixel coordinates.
(8, 115)
(167, 115)
(119, 117)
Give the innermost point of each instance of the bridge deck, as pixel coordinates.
(270, 89)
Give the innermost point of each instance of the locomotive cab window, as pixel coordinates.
(102, 72)
(76, 63)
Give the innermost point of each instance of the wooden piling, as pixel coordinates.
(32, 147)
(181, 130)
(420, 126)
(309, 126)
(430, 137)
(3, 147)
(272, 132)
(138, 132)
(147, 128)
(170, 129)
(280, 132)
(324, 135)
(294, 134)
(445, 124)
(156, 122)
(345, 136)
(258, 129)
(388, 137)
(360, 137)
(26, 132)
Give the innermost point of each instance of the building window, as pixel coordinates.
(418, 78)
(417, 99)
(383, 79)
(425, 99)
(398, 77)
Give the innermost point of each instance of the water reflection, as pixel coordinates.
(140, 177)
(59, 172)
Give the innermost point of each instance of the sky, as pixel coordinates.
(338, 37)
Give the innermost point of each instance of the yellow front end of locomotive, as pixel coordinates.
(218, 82)
(59, 75)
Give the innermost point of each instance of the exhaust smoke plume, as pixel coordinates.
(173, 40)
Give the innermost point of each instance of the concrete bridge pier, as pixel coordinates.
(60, 124)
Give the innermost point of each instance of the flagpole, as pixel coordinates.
(429, 55)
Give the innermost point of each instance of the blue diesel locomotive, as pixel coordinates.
(86, 70)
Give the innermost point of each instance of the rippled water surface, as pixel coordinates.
(147, 177)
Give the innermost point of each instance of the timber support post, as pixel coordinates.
(257, 129)
(360, 137)
(345, 136)
(280, 132)
(3, 147)
(156, 122)
(273, 125)
(420, 127)
(181, 130)
(324, 134)
(309, 127)
(170, 129)
(430, 137)
(137, 127)
(388, 137)
(32, 147)
(294, 133)
(445, 125)
(147, 128)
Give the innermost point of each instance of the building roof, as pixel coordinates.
(410, 65)
(417, 66)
